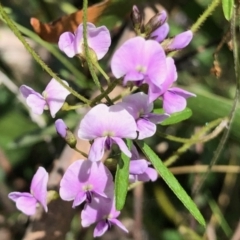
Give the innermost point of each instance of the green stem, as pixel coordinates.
(98, 67)
(83, 153)
(232, 113)
(86, 50)
(205, 15)
(36, 57)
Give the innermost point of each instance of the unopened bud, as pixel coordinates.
(179, 42)
(160, 33)
(137, 19)
(155, 22)
(65, 133)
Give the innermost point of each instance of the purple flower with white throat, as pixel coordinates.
(106, 126)
(139, 169)
(84, 180)
(27, 202)
(138, 106)
(103, 213)
(140, 61)
(174, 99)
(99, 40)
(52, 98)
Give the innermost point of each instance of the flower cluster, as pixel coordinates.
(141, 60)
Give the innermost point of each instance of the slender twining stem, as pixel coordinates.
(36, 57)
(195, 27)
(194, 139)
(98, 67)
(87, 53)
(205, 15)
(82, 153)
(232, 113)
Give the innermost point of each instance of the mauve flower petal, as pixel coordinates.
(61, 128)
(181, 40)
(139, 103)
(173, 102)
(132, 76)
(160, 33)
(155, 60)
(135, 154)
(145, 128)
(128, 57)
(70, 185)
(150, 174)
(157, 118)
(15, 195)
(100, 228)
(153, 92)
(79, 199)
(39, 187)
(122, 145)
(182, 92)
(119, 224)
(66, 44)
(55, 96)
(26, 91)
(99, 40)
(115, 120)
(27, 205)
(97, 149)
(37, 103)
(138, 166)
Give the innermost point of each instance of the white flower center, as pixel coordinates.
(141, 69)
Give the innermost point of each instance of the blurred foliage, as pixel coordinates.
(29, 141)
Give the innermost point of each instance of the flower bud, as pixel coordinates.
(137, 19)
(180, 41)
(155, 22)
(160, 33)
(65, 133)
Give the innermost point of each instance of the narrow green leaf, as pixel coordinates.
(121, 179)
(177, 117)
(227, 6)
(172, 182)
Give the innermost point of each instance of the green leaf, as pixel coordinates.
(227, 6)
(121, 179)
(172, 182)
(175, 117)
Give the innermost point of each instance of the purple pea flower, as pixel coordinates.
(141, 61)
(103, 213)
(180, 41)
(107, 125)
(52, 98)
(138, 106)
(84, 179)
(61, 128)
(99, 41)
(174, 99)
(160, 33)
(27, 202)
(139, 169)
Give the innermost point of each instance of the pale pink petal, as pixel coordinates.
(55, 95)
(66, 44)
(100, 228)
(70, 185)
(181, 40)
(15, 195)
(182, 92)
(37, 103)
(119, 224)
(150, 174)
(27, 205)
(97, 149)
(145, 128)
(173, 102)
(79, 198)
(138, 166)
(128, 57)
(39, 187)
(123, 147)
(26, 91)
(160, 33)
(157, 118)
